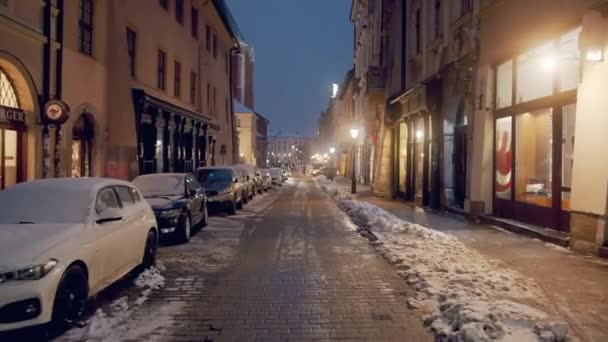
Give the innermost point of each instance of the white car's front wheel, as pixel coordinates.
(71, 297)
(150, 250)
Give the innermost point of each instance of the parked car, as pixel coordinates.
(286, 175)
(224, 189)
(178, 201)
(276, 175)
(266, 179)
(64, 240)
(247, 176)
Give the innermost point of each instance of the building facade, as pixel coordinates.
(30, 75)
(138, 103)
(490, 109)
(291, 150)
(252, 137)
(370, 77)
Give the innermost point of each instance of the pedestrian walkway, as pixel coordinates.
(575, 283)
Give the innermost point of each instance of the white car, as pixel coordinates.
(64, 240)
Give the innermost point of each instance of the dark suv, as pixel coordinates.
(225, 191)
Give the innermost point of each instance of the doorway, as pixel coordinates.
(459, 163)
(9, 158)
(82, 140)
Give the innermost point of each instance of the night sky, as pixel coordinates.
(301, 48)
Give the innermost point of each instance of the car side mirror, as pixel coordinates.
(236, 180)
(191, 192)
(109, 215)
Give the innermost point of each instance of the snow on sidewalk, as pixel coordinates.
(461, 294)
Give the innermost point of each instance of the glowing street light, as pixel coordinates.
(332, 150)
(354, 132)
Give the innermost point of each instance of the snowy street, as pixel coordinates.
(289, 266)
(293, 266)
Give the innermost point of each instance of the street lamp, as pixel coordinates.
(332, 150)
(354, 133)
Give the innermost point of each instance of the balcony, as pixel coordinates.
(375, 79)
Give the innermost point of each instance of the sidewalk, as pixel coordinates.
(577, 285)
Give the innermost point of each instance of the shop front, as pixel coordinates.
(413, 138)
(12, 133)
(534, 124)
(170, 138)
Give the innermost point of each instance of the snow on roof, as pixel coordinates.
(241, 108)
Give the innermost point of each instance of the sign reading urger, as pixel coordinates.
(8, 114)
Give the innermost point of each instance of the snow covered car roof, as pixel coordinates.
(57, 200)
(85, 183)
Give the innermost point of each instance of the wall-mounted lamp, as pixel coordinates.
(595, 53)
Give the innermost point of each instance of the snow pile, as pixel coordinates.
(151, 279)
(111, 324)
(321, 178)
(462, 295)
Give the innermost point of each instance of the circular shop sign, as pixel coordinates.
(56, 112)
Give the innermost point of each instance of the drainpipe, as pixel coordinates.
(59, 85)
(46, 85)
(234, 51)
(403, 43)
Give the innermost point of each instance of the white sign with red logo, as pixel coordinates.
(56, 112)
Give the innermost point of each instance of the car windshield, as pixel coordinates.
(33, 205)
(160, 185)
(276, 172)
(207, 176)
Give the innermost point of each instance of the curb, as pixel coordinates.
(544, 234)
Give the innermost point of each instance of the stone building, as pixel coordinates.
(252, 129)
(370, 81)
(138, 103)
(430, 132)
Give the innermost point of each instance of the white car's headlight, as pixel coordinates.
(169, 213)
(34, 272)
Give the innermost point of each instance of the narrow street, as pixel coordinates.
(288, 267)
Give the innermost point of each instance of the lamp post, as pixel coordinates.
(354, 133)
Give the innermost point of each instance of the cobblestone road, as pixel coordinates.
(289, 267)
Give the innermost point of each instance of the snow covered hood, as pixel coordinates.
(162, 202)
(20, 244)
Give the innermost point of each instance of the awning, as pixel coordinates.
(146, 103)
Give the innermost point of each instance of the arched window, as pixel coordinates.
(82, 139)
(8, 97)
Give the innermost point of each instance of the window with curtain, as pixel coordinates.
(177, 79)
(503, 158)
(162, 60)
(504, 85)
(131, 41)
(192, 87)
(179, 11)
(534, 157)
(194, 22)
(86, 27)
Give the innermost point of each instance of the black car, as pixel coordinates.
(178, 200)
